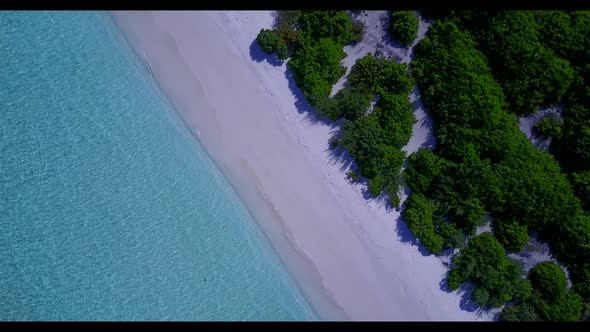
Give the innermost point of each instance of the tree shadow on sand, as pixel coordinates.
(258, 55)
(466, 303)
(303, 106)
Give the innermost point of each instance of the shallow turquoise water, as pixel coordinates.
(109, 207)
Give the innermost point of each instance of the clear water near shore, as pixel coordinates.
(109, 207)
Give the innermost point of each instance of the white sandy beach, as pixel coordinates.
(352, 257)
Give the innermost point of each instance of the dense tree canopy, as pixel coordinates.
(404, 27)
(476, 72)
(484, 164)
(484, 263)
(548, 279)
(419, 214)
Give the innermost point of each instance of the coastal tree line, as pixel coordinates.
(477, 71)
(374, 137)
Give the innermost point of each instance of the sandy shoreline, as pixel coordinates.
(351, 257)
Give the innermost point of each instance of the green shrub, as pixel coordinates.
(376, 185)
(404, 27)
(352, 104)
(418, 214)
(548, 279)
(550, 126)
(512, 235)
(268, 40)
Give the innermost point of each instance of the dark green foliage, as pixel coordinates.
(453, 237)
(316, 67)
(375, 147)
(424, 169)
(484, 263)
(519, 313)
(404, 27)
(484, 163)
(418, 214)
(328, 107)
(392, 160)
(581, 185)
(330, 24)
(572, 148)
(548, 279)
(487, 157)
(567, 307)
(352, 104)
(583, 289)
(365, 74)
(362, 139)
(370, 73)
(454, 279)
(286, 24)
(268, 40)
(531, 75)
(358, 30)
(512, 235)
(396, 117)
(394, 78)
(536, 194)
(376, 185)
(480, 296)
(314, 40)
(550, 126)
(282, 49)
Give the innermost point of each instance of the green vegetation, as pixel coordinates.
(314, 42)
(476, 71)
(548, 278)
(404, 27)
(550, 126)
(495, 277)
(512, 235)
(483, 164)
(530, 73)
(270, 42)
(549, 300)
(316, 66)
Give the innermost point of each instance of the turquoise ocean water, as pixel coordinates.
(109, 207)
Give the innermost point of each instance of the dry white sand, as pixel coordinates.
(352, 258)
